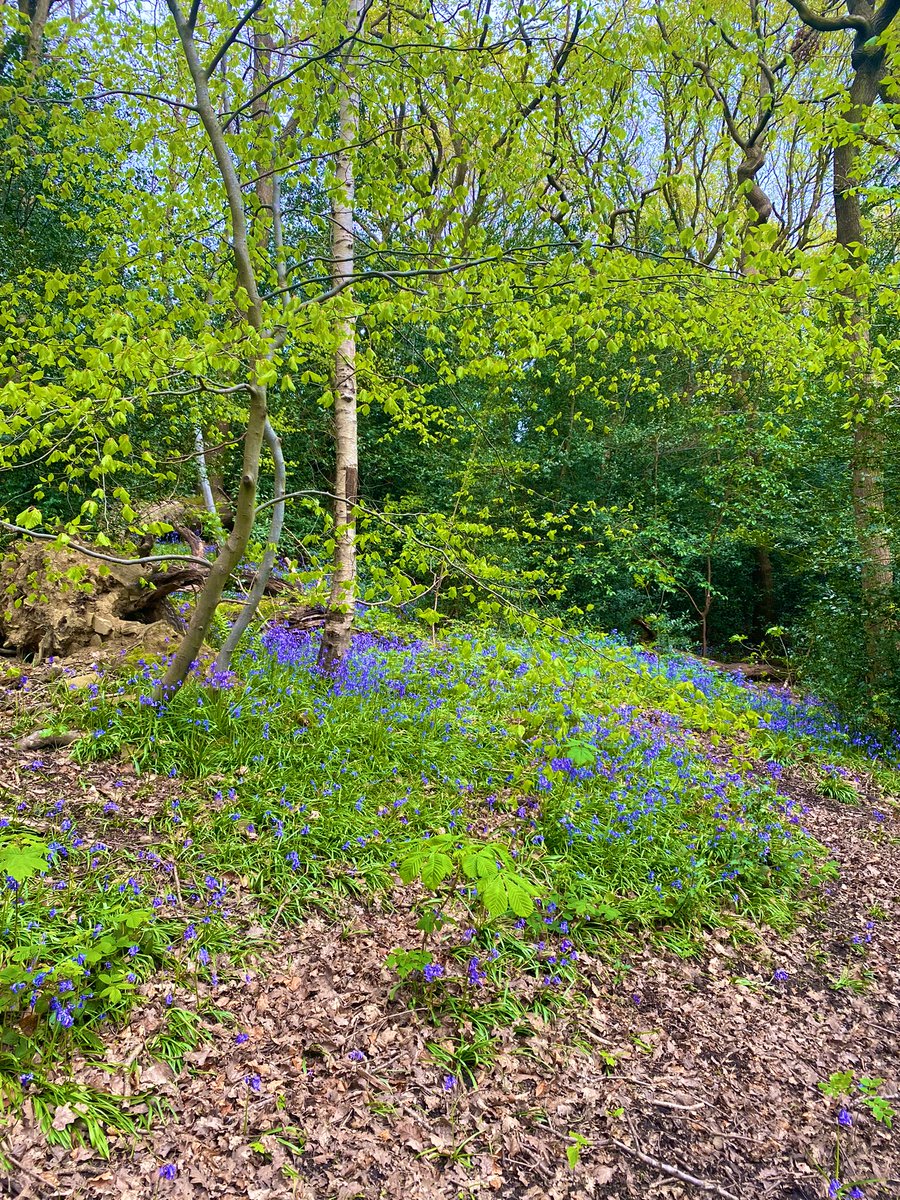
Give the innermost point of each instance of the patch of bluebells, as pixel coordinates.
(442, 715)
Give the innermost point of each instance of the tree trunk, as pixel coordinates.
(338, 628)
(39, 17)
(268, 215)
(245, 507)
(251, 604)
(871, 78)
(867, 458)
(209, 502)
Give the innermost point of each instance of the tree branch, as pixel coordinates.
(231, 38)
(825, 24)
(414, 273)
(291, 126)
(885, 15)
(264, 570)
(110, 558)
(143, 96)
(704, 1185)
(553, 76)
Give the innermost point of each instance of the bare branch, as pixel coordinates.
(553, 76)
(231, 38)
(885, 16)
(704, 1185)
(825, 24)
(291, 125)
(415, 273)
(110, 558)
(143, 96)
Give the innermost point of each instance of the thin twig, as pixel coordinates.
(688, 1108)
(110, 558)
(34, 1174)
(675, 1172)
(177, 883)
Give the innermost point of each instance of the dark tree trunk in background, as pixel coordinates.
(871, 78)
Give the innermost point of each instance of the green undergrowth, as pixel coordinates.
(534, 802)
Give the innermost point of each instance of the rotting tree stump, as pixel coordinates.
(57, 602)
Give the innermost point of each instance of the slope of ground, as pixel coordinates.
(633, 1043)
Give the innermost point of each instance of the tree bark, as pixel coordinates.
(209, 502)
(766, 598)
(251, 309)
(867, 462)
(338, 629)
(39, 16)
(868, 61)
(251, 604)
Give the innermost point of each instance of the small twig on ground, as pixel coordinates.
(32, 1173)
(651, 1160)
(280, 909)
(687, 1108)
(675, 1172)
(177, 883)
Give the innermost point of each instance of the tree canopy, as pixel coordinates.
(620, 286)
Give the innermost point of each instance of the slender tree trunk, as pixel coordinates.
(867, 457)
(766, 607)
(209, 502)
(251, 604)
(245, 506)
(215, 466)
(872, 74)
(269, 215)
(338, 628)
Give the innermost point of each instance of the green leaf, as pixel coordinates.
(435, 869)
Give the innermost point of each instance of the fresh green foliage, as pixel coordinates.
(844, 1085)
(22, 857)
(577, 1145)
(465, 1058)
(603, 380)
(499, 887)
(183, 1033)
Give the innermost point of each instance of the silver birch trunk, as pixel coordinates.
(338, 628)
(209, 502)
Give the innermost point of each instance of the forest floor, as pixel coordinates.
(308, 1072)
